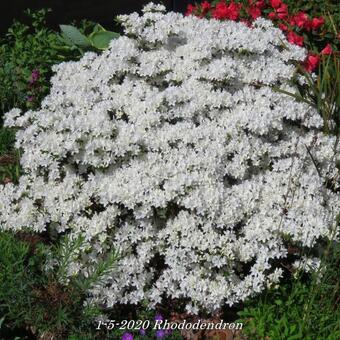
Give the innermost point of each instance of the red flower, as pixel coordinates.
(293, 38)
(327, 50)
(190, 9)
(283, 27)
(205, 6)
(254, 12)
(317, 22)
(311, 62)
(308, 25)
(260, 4)
(282, 12)
(300, 19)
(234, 10)
(279, 13)
(272, 15)
(275, 3)
(222, 11)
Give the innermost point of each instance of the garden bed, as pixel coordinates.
(184, 173)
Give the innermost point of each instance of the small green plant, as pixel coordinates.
(32, 298)
(7, 139)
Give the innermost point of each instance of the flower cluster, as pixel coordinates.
(296, 26)
(174, 148)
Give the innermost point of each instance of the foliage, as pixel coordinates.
(318, 8)
(7, 139)
(26, 56)
(323, 92)
(98, 39)
(9, 157)
(31, 295)
(28, 52)
(305, 308)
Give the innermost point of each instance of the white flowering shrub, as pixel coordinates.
(173, 148)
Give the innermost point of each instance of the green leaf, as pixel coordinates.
(98, 28)
(72, 35)
(101, 39)
(292, 329)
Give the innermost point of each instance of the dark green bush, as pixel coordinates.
(33, 300)
(27, 53)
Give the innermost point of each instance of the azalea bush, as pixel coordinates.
(175, 148)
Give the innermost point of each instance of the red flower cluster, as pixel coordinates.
(205, 6)
(254, 12)
(316, 23)
(280, 10)
(200, 11)
(311, 62)
(302, 21)
(255, 8)
(327, 50)
(294, 38)
(224, 11)
(190, 9)
(275, 10)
